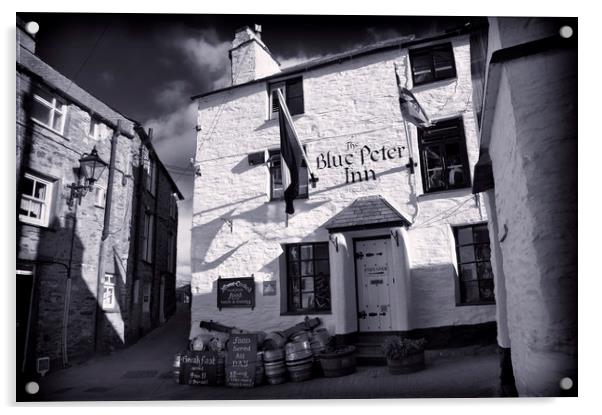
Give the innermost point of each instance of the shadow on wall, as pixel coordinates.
(58, 319)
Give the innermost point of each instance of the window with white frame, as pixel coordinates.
(108, 292)
(49, 110)
(150, 182)
(95, 129)
(100, 195)
(276, 183)
(147, 237)
(171, 253)
(35, 200)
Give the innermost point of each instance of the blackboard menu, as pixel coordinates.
(198, 368)
(241, 360)
(235, 292)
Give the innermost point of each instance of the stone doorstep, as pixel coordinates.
(369, 353)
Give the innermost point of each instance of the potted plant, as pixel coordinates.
(404, 355)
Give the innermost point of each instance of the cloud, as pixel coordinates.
(173, 95)
(301, 57)
(208, 54)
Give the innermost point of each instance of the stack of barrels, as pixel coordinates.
(273, 363)
(299, 358)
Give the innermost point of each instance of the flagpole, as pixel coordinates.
(289, 119)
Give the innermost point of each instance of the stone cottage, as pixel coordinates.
(390, 240)
(95, 259)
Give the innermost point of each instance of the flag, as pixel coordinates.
(291, 156)
(410, 108)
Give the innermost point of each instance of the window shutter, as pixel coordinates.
(294, 96)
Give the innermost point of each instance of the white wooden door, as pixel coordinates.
(373, 284)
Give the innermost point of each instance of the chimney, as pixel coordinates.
(250, 58)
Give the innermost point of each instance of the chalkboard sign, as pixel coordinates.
(241, 359)
(236, 292)
(198, 368)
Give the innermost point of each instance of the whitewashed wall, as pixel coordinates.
(357, 101)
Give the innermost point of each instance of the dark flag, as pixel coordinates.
(410, 108)
(291, 154)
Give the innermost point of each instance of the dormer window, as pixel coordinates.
(292, 89)
(48, 110)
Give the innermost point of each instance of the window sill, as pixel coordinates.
(475, 303)
(305, 313)
(37, 225)
(52, 130)
(460, 191)
(433, 84)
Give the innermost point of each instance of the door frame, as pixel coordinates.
(357, 301)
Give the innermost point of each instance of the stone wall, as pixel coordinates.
(534, 153)
(355, 101)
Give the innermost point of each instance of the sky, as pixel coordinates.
(147, 66)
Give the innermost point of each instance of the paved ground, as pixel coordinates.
(143, 372)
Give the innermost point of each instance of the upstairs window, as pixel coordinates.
(173, 207)
(276, 184)
(49, 110)
(433, 63)
(308, 277)
(474, 264)
(150, 176)
(444, 161)
(36, 196)
(108, 292)
(95, 129)
(148, 237)
(292, 89)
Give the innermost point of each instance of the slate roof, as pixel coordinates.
(366, 212)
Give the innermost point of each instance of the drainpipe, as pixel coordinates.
(105, 235)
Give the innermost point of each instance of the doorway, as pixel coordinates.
(373, 282)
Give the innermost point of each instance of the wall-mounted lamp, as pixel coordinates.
(335, 242)
(395, 235)
(91, 167)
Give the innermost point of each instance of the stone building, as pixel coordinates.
(391, 239)
(527, 171)
(94, 272)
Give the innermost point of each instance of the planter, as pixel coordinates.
(411, 363)
(338, 363)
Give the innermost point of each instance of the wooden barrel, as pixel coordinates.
(341, 362)
(319, 340)
(274, 367)
(299, 360)
(300, 336)
(274, 341)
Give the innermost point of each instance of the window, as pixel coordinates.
(108, 292)
(150, 180)
(48, 110)
(171, 253)
(276, 184)
(36, 196)
(474, 264)
(444, 161)
(292, 89)
(173, 207)
(100, 196)
(433, 63)
(95, 129)
(147, 237)
(308, 277)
